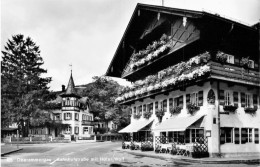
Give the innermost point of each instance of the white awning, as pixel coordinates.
(135, 126)
(177, 123)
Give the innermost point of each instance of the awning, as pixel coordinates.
(177, 123)
(135, 126)
(8, 129)
(235, 120)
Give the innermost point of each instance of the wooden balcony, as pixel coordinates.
(234, 73)
(85, 122)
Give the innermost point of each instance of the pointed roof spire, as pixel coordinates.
(71, 91)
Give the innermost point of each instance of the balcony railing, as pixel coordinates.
(85, 122)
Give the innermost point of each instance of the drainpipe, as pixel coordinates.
(218, 121)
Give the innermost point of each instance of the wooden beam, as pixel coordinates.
(231, 84)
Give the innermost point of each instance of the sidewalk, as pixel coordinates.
(233, 160)
(7, 149)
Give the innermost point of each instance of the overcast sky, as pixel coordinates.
(86, 33)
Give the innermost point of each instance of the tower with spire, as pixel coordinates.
(75, 112)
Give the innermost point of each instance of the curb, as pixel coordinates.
(198, 161)
(2, 154)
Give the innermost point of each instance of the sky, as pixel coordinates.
(86, 33)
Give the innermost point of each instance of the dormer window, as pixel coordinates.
(230, 59)
(251, 64)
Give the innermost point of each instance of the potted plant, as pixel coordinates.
(250, 110)
(147, 114)
(244, 62)
(175, 110)
(221, 57)
(192, 108)
(137, 116)
(230, 108)
(159, 113)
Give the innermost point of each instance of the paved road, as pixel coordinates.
(87, 154)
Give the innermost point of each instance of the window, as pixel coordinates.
(144, 108)
(134, 110)
(248, 100)
(76, 116)
(139, 110)
(83, 117)
(230, 59)
(150, 107)
(90, 118)
(85, 130)
(251, 64)
(228, 98)
(57, 117)
(67, 116)
(164, 105)
(76, 130)
(156, 105)
(170, 102)
(194, 99)
(226, 135)
(196, 134)
(247, 135)
(178, 137)
(68, 130)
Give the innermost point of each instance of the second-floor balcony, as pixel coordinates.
(195, 71)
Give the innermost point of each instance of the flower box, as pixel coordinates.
(175, 110)
(147, 114)
(137, 116)
(230, 108)
(159, 113)
(250, 110)
(192, 108)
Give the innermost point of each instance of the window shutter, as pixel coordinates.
(156, 105)
(243, 100)
(144, 108)
(200, 98)
(181, 101)
(235, 95)
(237, 61)
(187, 99)
(64, 116)
(243, 135)
(171, 102)
(255, 100)
(237, 136)
(256, 66)
(256, 135)
(221, 97)
(75, 129)
(75, 116)
(222, 136)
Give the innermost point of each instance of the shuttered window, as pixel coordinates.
(140, 109)
(200, 98)
(194, 99)
(164, 105)
(134, 110)
(156, 105)
(180, 101)
(187, 99)
(144, 108)
(221, 97)
(256, 135)
(227, 98)
(243, 99)
(226, 135)
(243, 135)
(170, 102)
(76, 129)
(151, 107)
(235, 97)
(237, 136)
(255, 100)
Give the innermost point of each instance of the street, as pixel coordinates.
(87, 154)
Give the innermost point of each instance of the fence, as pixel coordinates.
(109, 137)
(200, 144)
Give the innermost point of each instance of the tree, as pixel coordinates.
(102, 93)
(23, 86)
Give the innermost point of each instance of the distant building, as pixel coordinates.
(195, 81)
(74, 113)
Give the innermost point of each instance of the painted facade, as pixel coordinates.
(195, 80)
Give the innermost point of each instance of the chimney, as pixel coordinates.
(63, 88)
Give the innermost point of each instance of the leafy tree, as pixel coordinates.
(23, 86)
(102, 93)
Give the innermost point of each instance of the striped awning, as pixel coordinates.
(177, 123)
(136, 126)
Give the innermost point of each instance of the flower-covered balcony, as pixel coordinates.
(194, 71)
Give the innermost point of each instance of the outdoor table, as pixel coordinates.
(167, 147)
(127, 144)
(137, 145)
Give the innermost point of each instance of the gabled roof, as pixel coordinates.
(120, 59)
